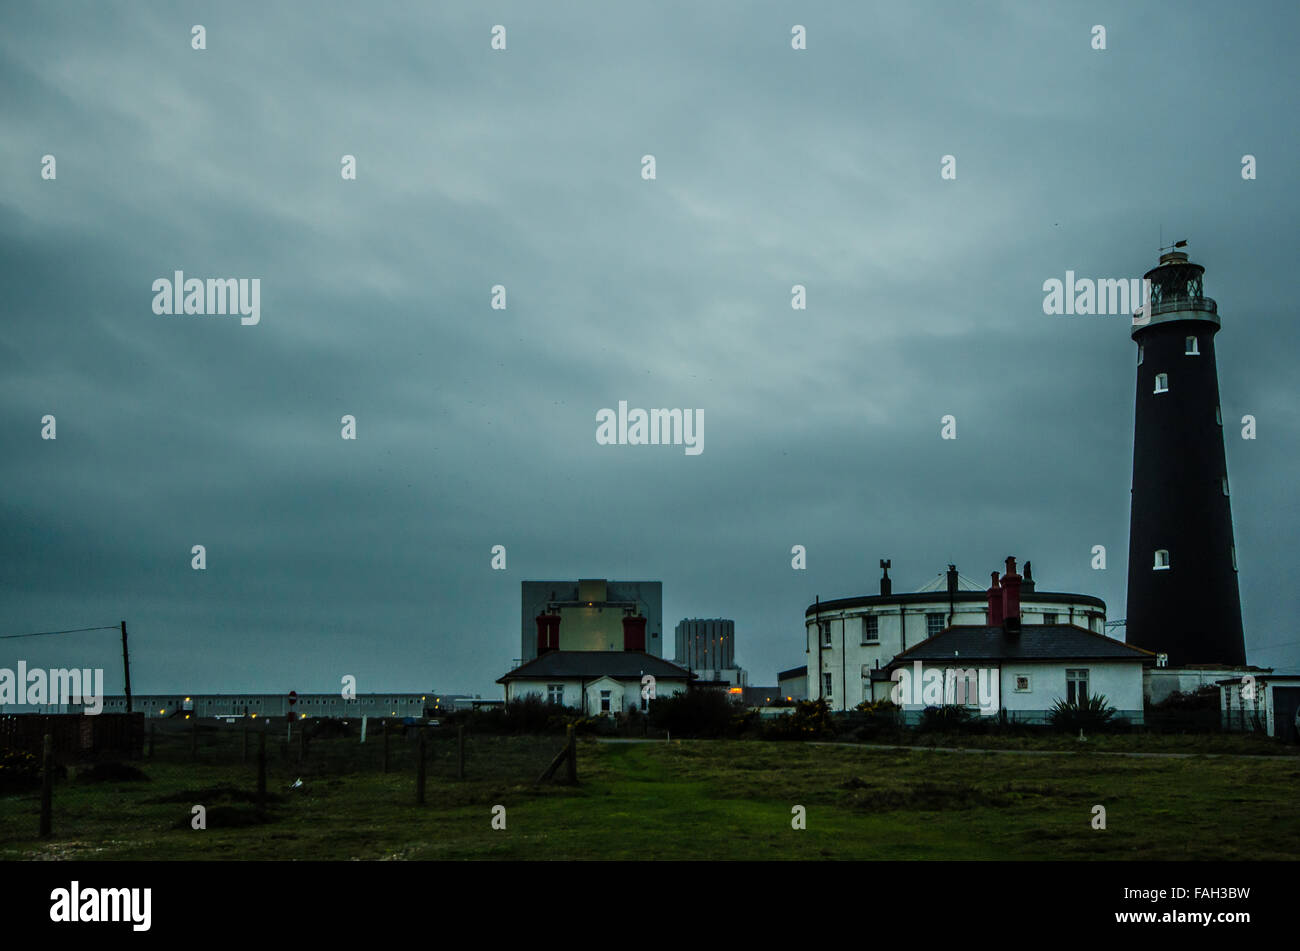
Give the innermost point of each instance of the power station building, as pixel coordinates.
(707, 647)
(591, 645)
(1183, 598)
(591, 615)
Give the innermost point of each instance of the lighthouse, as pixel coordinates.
(1183, 599)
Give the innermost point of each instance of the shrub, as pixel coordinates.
(811, 720)
(19, 771)
(1092, 713)
(695, 713)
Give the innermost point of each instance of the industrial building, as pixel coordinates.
(589, 615)
(707, 648)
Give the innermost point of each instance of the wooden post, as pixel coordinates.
(47, 786)
(419, 773)
(460, 751)
(126, 670)
(385, 746)
(261, 770)
(572, 765)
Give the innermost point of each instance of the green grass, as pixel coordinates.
(679, 800)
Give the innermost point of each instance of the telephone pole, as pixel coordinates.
(126, 668)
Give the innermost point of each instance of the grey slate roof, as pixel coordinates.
(1035, 642)
(621, 665)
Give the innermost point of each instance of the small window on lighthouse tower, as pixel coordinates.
(1218, 415)
(1224, 480)
(1191, 349)
(1162, 382)
(1142, 352)
(1162, 560)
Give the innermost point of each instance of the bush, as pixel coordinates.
(696, 713)
(811, 720)
(1092, 713)
(950, 718)
(19, 771)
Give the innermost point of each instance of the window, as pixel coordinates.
(604, 701)
(1049, 617)
(1191, 350)
(1022, 683)
(555, 694)
(825, 628)
(1162, 560)
(870, 629)
(826, 685)
(1142, 352)
(1218, 415)
(1162, 382)
(1076, 685)
(933, 624)
(1224, 481)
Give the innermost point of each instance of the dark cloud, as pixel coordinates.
(476, 427)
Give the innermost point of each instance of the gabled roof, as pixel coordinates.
(1035, 642)
(588, 665)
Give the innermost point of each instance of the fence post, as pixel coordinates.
(47, 786)
(460, 751)
(419, 773)
(261, 770)
(572, 765)
(385, 746)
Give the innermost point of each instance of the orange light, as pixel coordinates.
(735, 690)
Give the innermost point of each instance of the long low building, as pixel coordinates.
(253, 705)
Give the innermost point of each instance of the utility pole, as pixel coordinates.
(126, 668)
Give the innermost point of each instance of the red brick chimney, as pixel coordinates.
(634, 633)
(548, 633)
(995, 601)
(1011, 598)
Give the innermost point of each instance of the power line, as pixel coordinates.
(78, 630)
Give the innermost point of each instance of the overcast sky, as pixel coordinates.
(476, 427)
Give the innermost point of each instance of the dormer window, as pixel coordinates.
(1162, 560)
(1162, 382)
(1191, 350)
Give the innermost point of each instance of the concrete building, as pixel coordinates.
(707, 648)
(589, 615)
(1267, 702)
(849, 638)
(793, 683)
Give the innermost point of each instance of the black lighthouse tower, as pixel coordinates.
(1182, 564)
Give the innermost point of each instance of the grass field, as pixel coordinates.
(678, 800)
